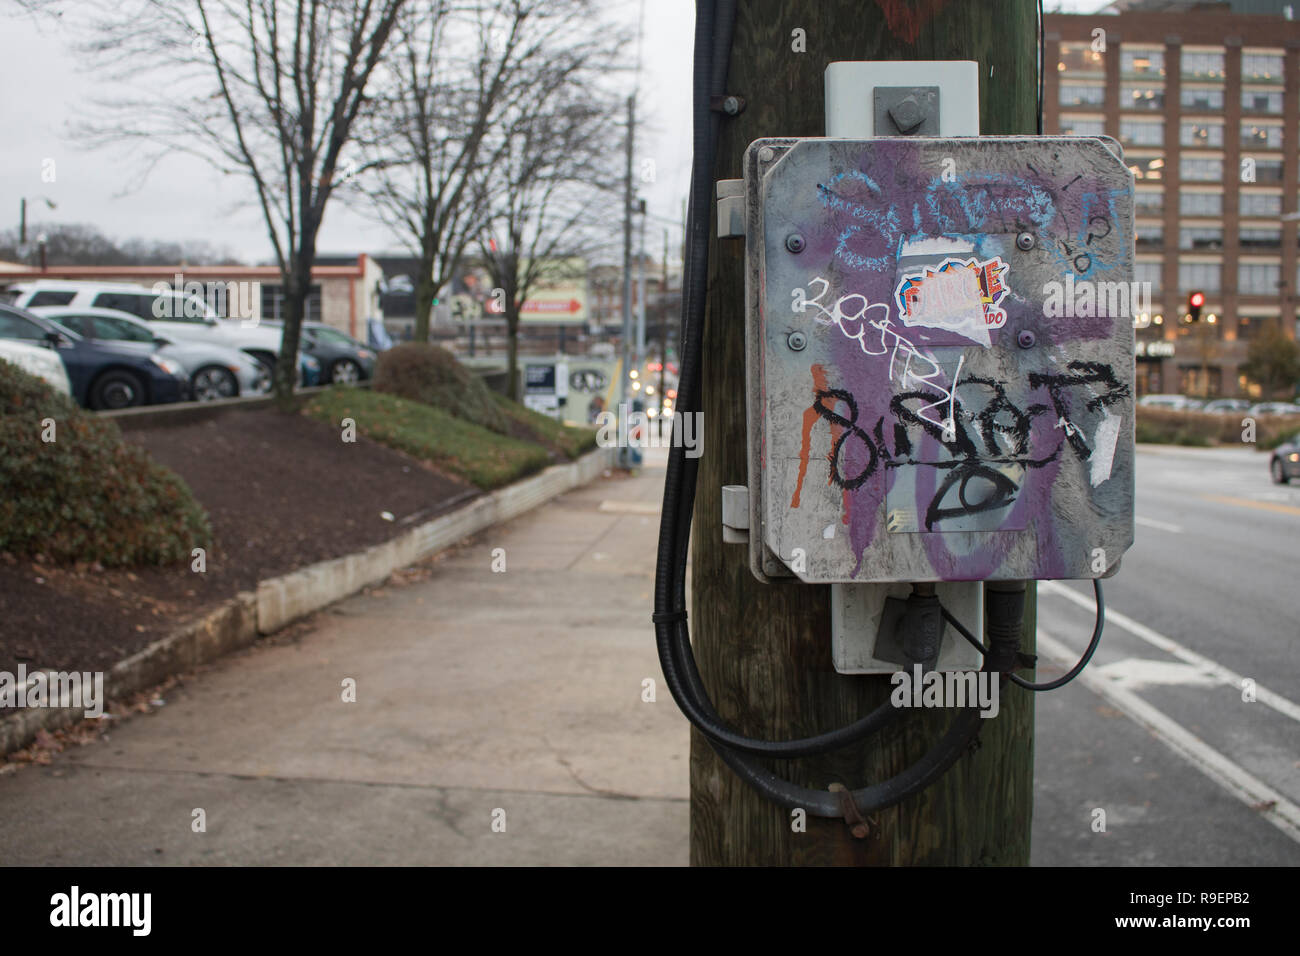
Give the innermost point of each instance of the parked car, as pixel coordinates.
(1275, 408)
(188, 317)
(41, 362)
(1178, 403)
(1224, 406)
(1285, 462)
(215, 371)
(343, 359)
(101, 374)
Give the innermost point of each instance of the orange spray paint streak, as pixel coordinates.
(905, 18)
(810, 417)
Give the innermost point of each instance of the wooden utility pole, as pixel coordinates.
(765, 649)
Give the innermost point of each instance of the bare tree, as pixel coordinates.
(553, 170)
(270, 89)
(425, 135)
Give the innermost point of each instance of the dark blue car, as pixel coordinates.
(103, 374)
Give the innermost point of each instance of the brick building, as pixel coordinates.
(1205, 98)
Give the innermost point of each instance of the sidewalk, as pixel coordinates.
(476, 692)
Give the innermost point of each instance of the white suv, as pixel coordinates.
(189, 318)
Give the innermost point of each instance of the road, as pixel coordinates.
(1205, 600)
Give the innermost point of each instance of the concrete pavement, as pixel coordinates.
(520, 691)
(476, 692)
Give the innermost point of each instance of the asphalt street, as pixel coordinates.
(1204, 610)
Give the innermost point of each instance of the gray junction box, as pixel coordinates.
(940, 358)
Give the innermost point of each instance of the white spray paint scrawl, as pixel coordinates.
(1103, 447)
(958, 295)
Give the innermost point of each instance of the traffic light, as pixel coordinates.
(1194, 303)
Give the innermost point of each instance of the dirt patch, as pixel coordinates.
(282, 492)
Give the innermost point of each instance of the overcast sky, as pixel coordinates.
(182, 199)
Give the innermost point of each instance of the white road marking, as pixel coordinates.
(1173, 648)
(1245, 786)
(1158, 525)
(1136, 672)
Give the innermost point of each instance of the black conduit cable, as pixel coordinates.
(679, 485)
(672, 634)
(822, 803)
(1074, 671)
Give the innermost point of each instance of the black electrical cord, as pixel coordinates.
(1065, 678)
(714, 22)
(712, 48)
(1042, 66)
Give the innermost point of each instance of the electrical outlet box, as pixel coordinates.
(940, 357)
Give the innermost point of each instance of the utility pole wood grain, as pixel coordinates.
(765, 649)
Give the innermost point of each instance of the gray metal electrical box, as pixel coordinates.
(940, 357)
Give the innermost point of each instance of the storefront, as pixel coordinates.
(1151, 358)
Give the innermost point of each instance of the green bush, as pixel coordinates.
(479, 455)
(87, 495)
(425, 373)
(569, 440)
(1166, 426)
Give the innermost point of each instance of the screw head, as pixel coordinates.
(766, 154)
(906, 114)
(794, 242)
(797, 341)
(731, 105)
(1025, 241)
(1026, 339)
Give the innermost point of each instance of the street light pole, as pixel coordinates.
(626, 367)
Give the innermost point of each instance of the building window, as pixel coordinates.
(1201, 133)
(1206, 276)
(1201, 99)
(1258, 278)
(1202, 66)
(1201, 170)
(1266, 170)
(1255, 101)
(1077, 58)
(1261, 68)
(1150, 235)
(1148, 167)
(1261, 238)
(1148, 272)
(1258, 136)
(1076, 126)
(1143, 97)
(1138, 61)
(1142, 132)
(1080, 94)
(1201, 238)
(273, 303)
(1261, 205)
(1200, 204)
(1149, 202)
(1203, 381)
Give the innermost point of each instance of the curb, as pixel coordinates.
(281, 600)
(180, 413)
